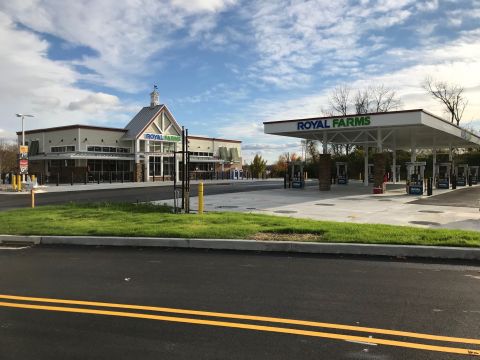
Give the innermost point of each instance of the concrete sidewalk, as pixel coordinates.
(352, 203)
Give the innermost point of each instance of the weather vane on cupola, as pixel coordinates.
(154, 97)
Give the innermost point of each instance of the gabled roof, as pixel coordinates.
(144, 118)
(141, 120)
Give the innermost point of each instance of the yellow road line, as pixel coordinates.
(248, 327)
(248, 317)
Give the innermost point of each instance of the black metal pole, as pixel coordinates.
(183, 167)
(187, 170)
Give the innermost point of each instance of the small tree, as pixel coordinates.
(450, 95)
(258, 166)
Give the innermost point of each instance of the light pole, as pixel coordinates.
(23, 133)
(23, 129)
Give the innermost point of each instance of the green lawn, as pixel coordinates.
(105, 219)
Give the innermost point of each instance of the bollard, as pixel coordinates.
(14, 182)
(71, 180)
(32, 192)
(200, 198)
(58, 178)
(86, 178)
(19, 182)
(110, 177)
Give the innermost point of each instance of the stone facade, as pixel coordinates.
(325, 172)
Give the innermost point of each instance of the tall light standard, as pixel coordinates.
(23, 129)
(23, 133)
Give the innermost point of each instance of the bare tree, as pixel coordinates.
(376, 98)
(339, 101)
(362, 102)
(450, 95)
(383, 99)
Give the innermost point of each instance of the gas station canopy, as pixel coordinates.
(405, 129)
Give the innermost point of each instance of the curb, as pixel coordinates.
(435, 252)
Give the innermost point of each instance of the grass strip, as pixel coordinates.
(146, 220)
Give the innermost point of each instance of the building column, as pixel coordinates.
(365, 151)
(434, 163)
(136, 149)
(161, 165)
(147, 160)
(325, 142)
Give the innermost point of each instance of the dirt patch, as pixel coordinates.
(272, 236)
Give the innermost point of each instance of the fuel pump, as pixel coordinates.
(342, 173)
(415, 174)
(443, 171)
(296, 171)
(461, 173)
(474, 174)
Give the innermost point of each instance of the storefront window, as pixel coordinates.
(155, 146)
(155, 165)
(168, 147)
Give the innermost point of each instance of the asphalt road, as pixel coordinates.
(12, 201)
(423, 298)
(462, 197)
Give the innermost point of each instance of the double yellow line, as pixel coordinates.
(48, 304)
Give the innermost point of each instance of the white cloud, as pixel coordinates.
(292, 37)
(31, 83)
(125, 35)
(94, 102)
(427, 5)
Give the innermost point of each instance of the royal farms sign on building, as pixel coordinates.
(333, 123)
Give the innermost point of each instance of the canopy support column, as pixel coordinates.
(379, 140)
(365, 177)
(434, 163)
(413, 153)
(325, 142)
(394, 158)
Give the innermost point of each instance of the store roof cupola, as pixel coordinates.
(154, 97)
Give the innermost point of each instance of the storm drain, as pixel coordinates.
(384, 199)
(427, 223)
(285, 211)
(325, 204)
(431, 211)
(227, 207)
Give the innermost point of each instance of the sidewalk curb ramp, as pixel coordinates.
(435, 252)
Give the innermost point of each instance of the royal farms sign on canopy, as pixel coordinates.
(333, 123)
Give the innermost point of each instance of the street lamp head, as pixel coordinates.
(24, 115)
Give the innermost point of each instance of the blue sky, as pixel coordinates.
(225, 66)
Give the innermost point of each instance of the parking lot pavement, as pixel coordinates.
(105, 303)
(356, 203)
